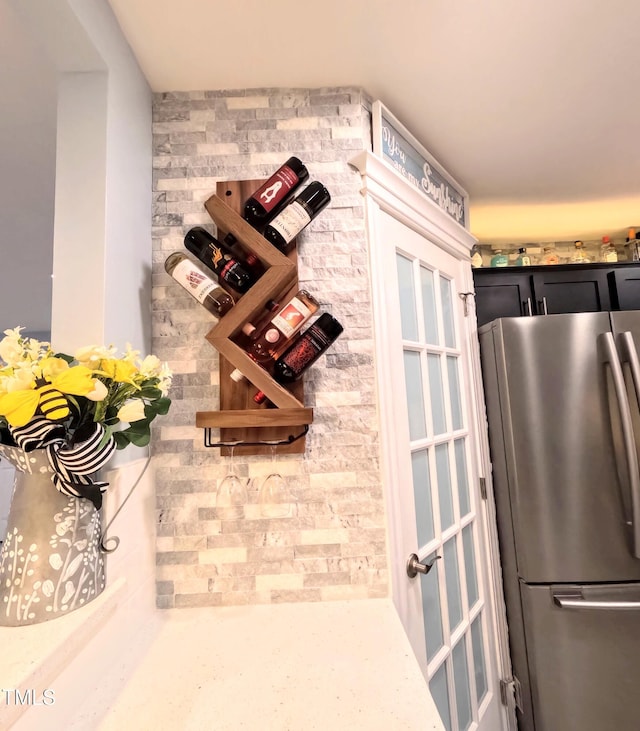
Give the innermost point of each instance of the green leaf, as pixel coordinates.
(138, 433)
(121, 439)
(162, 405)
(149, 392)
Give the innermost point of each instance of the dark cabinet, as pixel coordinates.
(501, 293)
(579, 289)
(552, 290)
(625, 287)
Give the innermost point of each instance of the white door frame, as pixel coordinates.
(386, 190)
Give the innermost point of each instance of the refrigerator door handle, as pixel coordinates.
(630, 356)
(610, 358)
(577, 601)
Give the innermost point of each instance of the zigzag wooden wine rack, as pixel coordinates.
(240, 419)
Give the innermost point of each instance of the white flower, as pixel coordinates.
(21, 380)
(11, 350)
(131, 411)
(91, 355)
(99, 392)
(131, 355)
(165, 376)
(52, 367)
(150, 366)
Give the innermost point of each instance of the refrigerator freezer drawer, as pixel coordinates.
(583, 649)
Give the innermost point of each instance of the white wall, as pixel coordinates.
(28, 89)
(102, 237)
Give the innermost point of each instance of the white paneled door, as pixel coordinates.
(433, 496)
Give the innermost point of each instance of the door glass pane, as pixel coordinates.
(470, 564)
(454, 392)
(452, 581)
(444, 486)
(461, 474)
(447, 313)
(478, 658)
(461, 683)
(422, 496)
(415, 404)
(429, 311)
(440, 694)
(406, 289)
(432, 609)
(437, 394)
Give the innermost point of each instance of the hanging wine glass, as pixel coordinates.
(231, 495)
(273, 497)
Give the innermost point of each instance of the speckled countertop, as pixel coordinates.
(329, 666)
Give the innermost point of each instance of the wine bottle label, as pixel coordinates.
(276, 188)
(291, 318)
(217, 256)
(291, 221)
(193, 280)
(305, 349)
(234, 275)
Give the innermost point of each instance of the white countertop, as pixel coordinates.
(329, 666)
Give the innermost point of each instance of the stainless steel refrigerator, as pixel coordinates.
(562, 395)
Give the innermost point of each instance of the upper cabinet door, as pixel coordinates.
(571, 290)
(625, 285)
(502, 294)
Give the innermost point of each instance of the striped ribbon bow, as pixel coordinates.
(72, 466)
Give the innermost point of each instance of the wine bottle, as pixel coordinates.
(270, 341)
(199, 284)
(243, 338)
(212, 253)
(283, 229)
(273, 195)
(249, 260)
(304, 352)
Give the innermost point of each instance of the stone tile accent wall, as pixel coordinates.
(333, 544)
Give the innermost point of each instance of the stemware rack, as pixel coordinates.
(243, 424)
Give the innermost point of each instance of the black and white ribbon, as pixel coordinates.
(72, 465)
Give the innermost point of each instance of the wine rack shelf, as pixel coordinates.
(240, 419)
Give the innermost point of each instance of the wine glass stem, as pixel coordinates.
(231, 464)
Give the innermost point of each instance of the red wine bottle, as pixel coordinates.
(212, 253)
(304, 352)
(283, 229)
(275, 193)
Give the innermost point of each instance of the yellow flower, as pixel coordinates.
(121, 371)
(131, 411)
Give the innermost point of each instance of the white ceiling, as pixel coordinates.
(532, 105)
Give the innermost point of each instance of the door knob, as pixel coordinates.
(414, 567)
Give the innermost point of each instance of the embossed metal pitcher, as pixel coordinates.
(50, 561)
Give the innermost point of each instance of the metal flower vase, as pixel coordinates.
(50, 561)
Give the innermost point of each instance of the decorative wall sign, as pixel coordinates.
(393, 142)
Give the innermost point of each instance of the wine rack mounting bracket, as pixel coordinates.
(245, 426)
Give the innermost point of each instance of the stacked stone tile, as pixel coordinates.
(333, 544)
